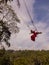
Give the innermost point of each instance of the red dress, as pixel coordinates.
(33, 36)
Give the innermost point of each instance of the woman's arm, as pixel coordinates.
(32, 31)
(38, 32)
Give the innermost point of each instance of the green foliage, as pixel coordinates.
(27, 57)
(4, 33)
(5, 58)
(5, 1)
(8, 22)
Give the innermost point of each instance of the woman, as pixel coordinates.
(34, 35)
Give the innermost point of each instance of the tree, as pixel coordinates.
(6, 60)
(37, 62)
(8, 22)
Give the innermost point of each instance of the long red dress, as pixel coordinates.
(33, 36)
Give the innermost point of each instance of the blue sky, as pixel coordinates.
(39, 11)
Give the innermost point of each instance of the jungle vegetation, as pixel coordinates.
(24, 57)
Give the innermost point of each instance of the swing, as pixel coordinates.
(34, 34)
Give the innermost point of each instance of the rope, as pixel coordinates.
(18, 3)
(29, 14)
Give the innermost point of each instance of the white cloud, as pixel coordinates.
(22, 12)
(22, 39)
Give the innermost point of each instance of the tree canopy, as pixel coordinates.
(25, 57)
(8, 22)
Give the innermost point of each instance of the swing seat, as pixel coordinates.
(33, 37)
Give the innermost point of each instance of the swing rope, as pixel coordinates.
(29, 15)
(18, 3)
